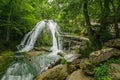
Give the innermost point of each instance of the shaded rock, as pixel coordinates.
(61, 53)
(103, 55)
(76, 47)
(114, 71)
(74, 65)
(115, 43)
(78, 75)
(84, 62)
(56, 73)
(86, 66)
(42, 49)
(69, 56)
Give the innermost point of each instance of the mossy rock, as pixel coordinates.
(5, 61)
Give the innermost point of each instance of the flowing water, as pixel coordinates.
(30, 38)
(20, 70)
(24, 69)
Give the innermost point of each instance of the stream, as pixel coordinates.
(25, 68)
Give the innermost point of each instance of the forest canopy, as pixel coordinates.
(96, 19)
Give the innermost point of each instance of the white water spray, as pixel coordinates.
(30, 38)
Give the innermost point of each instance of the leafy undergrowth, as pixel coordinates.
(101, 71)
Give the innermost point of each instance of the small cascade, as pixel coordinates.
(41, 63)
(27, 70)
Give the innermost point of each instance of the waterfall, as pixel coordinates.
(27, 70)
(30, 38)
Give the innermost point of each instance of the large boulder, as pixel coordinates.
(114, 71)
(78, 75)
(103, 55)
(55, 73)
(114, 43)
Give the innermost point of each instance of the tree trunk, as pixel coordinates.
(9, 19)
(85, 10)
(116, 11)
(104, 20)
(104, 16)
(101, 5)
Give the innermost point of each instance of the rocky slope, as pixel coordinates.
(83, 69)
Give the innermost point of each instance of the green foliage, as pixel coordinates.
(21, 15)
(16, 18)
(112, 60)
(7, 53)
(45, 39)
(63, 61)
(105, 36)
(105, 78)
(100, 72)
(5, 59)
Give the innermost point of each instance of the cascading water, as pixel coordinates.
(21, 70)
(30, 38)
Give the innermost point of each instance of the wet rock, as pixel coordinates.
(71, 56)
(114, 71)
(76, 47)
(114, 43)
(78, 75)
(61, 53)
(103, 55)
(86, 66)
(56, 73)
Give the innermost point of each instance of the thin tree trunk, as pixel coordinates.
(87, 19)
(101, 5)
(9, 18)
(116, 10)
(104, 16)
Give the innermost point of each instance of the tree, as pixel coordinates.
(16, 18)
(85, 10)
(116, 12)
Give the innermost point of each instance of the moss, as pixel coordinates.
(5, 60)
(7, 53)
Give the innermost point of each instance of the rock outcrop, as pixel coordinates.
(114, 43)
(114, 71)
(103, 55)
(55, 73)
(78, 75)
